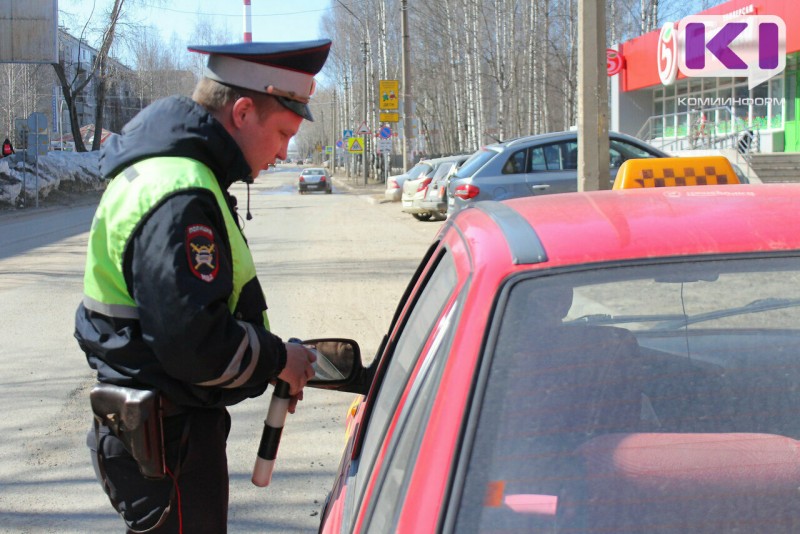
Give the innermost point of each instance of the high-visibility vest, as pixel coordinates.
(129, 198)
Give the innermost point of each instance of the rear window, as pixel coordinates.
(417, 170)
(641, 399)
(475, 162)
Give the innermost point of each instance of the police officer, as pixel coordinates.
(171, 298)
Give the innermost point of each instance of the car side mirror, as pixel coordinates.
(338, 362)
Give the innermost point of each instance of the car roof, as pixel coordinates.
(444, 159)
(600, 226)
(314, 169)
(555, 136)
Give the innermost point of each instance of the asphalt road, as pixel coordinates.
(331, 265)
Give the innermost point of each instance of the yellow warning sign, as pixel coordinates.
(389, 94)
(355, 145)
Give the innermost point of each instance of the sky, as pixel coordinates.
(272, 20)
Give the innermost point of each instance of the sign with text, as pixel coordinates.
(384, 146)
(388, 91)
(752, 46)
(389, 117)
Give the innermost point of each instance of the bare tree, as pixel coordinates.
(482, 69)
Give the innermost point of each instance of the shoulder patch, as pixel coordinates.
(201, 251)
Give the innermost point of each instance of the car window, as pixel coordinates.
(555, 157)
(475, 162)
(402, 452)
(515, 163)
(437, 290)
(629, 398)
(621, 151)
(444, 170)
(417, 170)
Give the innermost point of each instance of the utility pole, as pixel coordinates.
(593, 149)
(408, 135)
(366, 115)
(332, 158)
(347, 121)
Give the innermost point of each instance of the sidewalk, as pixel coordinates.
(372, 191)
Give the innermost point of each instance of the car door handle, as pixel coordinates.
(540, 187)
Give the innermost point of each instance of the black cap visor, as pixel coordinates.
(298, 107)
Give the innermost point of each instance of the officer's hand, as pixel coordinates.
(293, 402)
(298, 368)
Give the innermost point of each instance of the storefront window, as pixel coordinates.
(776, 103)
(669, 117)
(658, 124)
(759, 114)
(681, 92)
(724, 116)
(741, 109)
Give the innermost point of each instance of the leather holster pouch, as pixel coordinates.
(135, 418)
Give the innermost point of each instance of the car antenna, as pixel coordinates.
(497, 140)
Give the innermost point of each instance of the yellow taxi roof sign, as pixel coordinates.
(671, 172)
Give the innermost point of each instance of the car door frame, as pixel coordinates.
(358, 480)
(549, 181)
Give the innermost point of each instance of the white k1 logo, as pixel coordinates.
(722, 46)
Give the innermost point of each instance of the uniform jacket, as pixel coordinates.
(185, 341)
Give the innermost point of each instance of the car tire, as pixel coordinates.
(422, 216)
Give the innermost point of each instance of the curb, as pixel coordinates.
(371, 192)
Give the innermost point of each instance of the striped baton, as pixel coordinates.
(271, 436)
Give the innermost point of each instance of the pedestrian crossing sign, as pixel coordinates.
(355, 145)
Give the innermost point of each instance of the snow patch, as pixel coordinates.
(68, 171)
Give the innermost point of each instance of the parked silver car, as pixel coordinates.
(533, 165)
(394, 184)
(425, 197)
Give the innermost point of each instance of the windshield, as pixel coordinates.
(634, 397)
(475, 162)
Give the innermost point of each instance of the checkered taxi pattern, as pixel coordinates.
(675, 172)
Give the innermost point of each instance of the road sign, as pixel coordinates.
(363, 129)
(328, 149)
(347, 134)
(390, 117)
(384, 146)
(389, 90)
(355, 145)
(385, 132)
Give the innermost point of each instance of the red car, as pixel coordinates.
(613, 361)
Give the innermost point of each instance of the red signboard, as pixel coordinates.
(641, 53)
